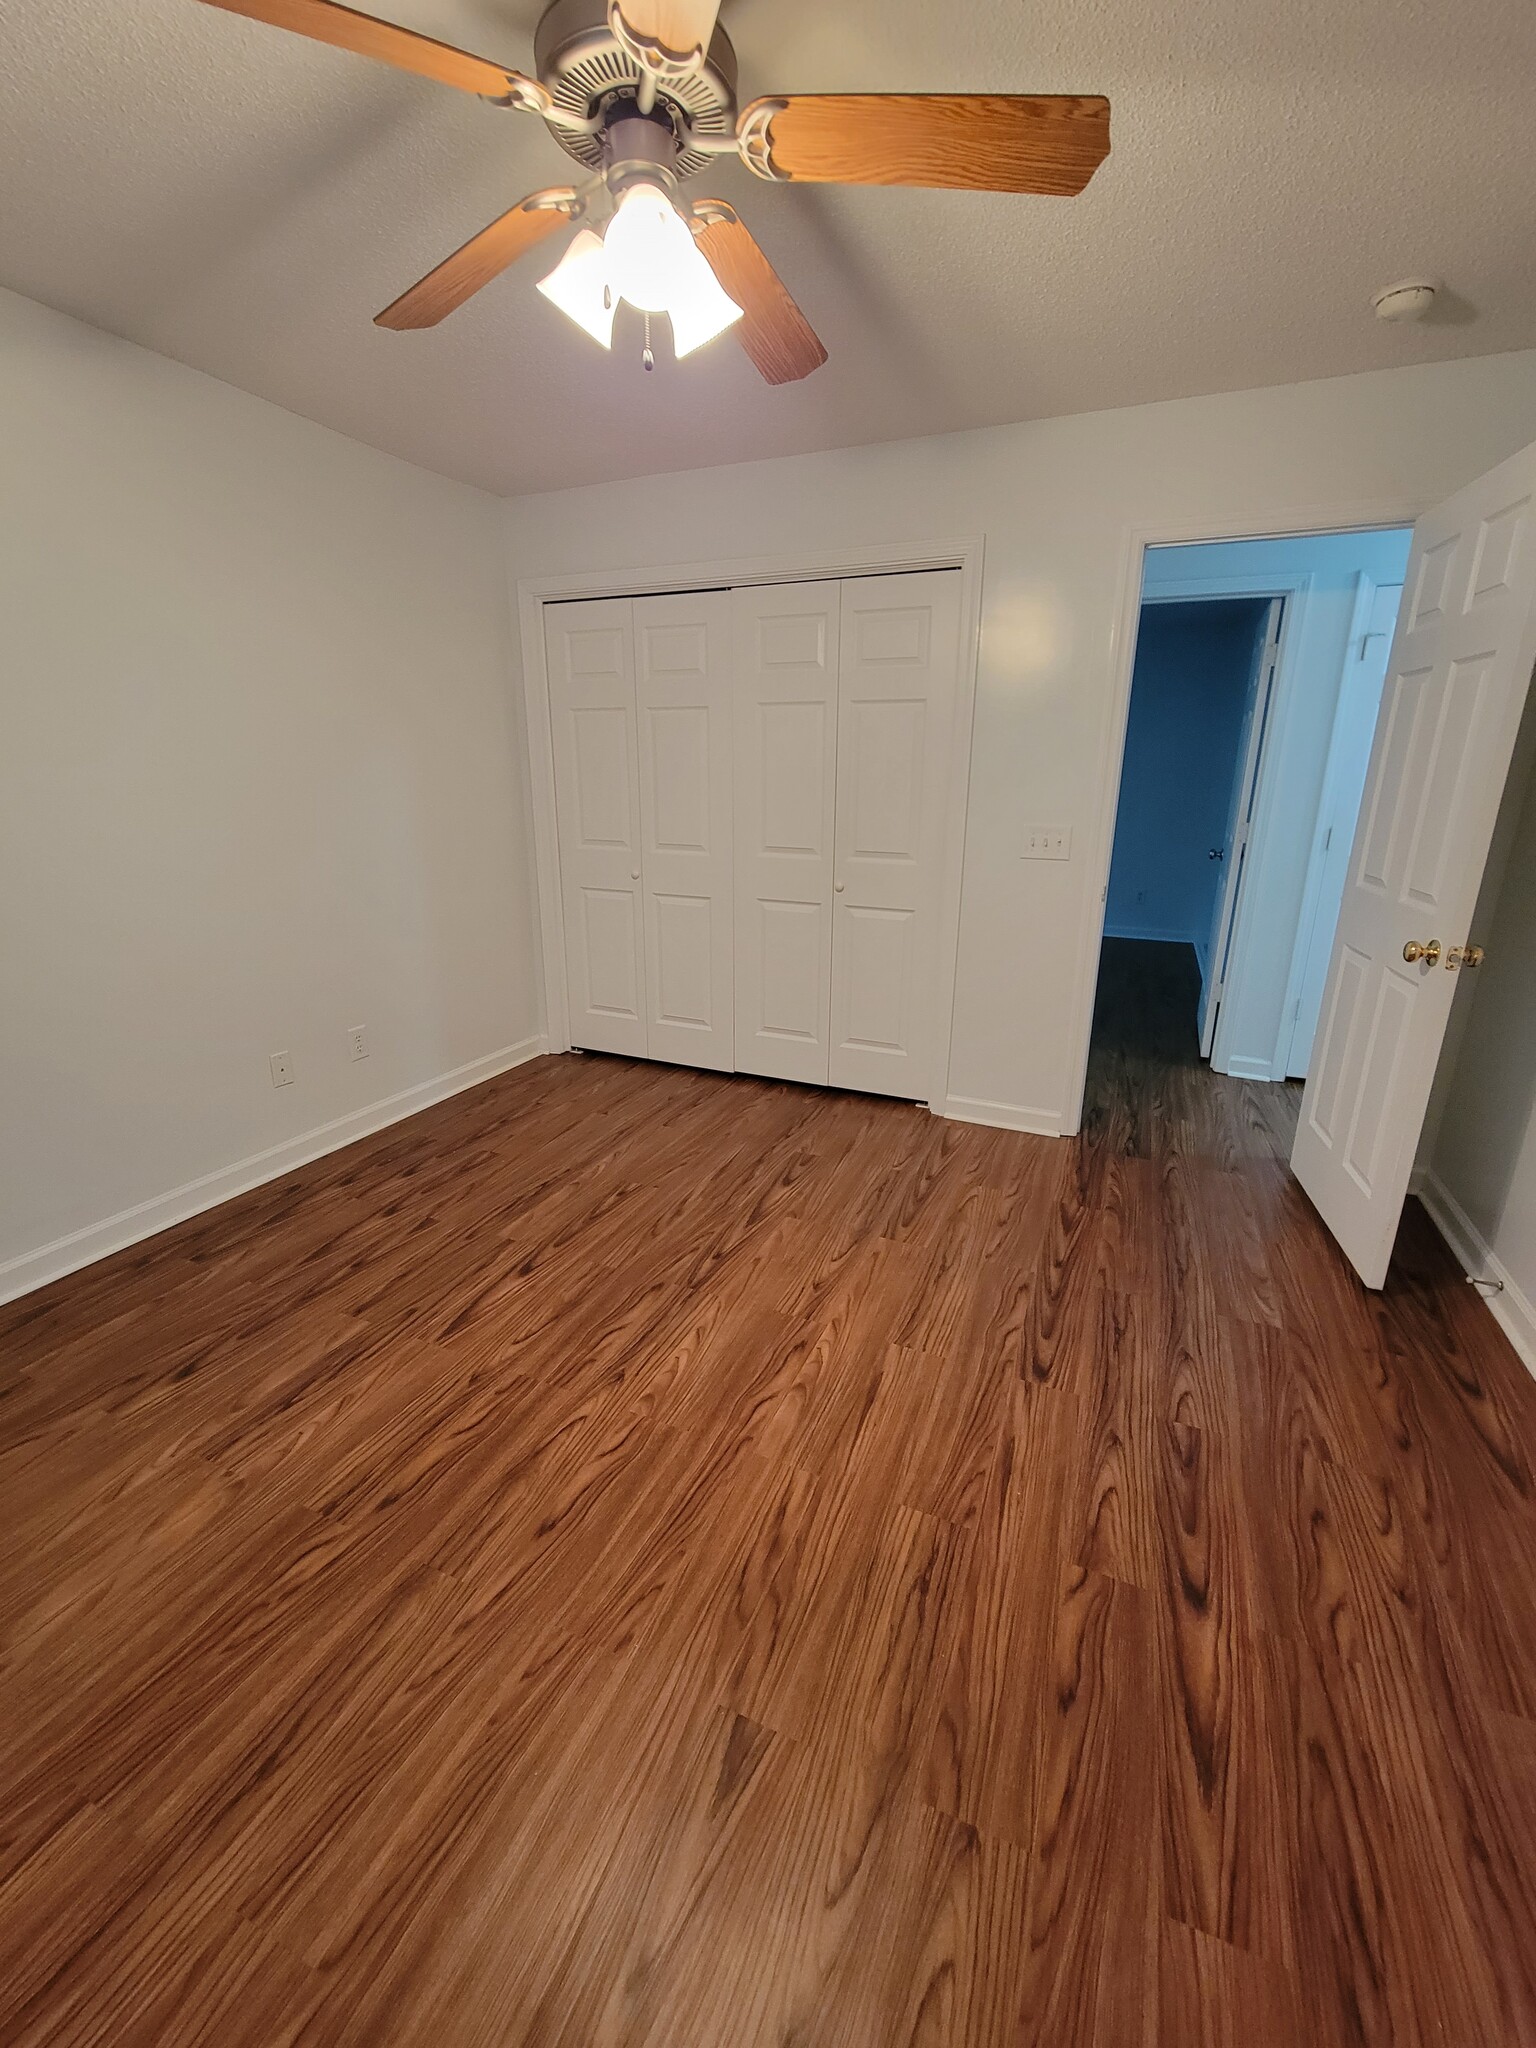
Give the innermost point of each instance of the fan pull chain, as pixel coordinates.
(645, 354)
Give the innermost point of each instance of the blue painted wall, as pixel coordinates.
(1194, 663)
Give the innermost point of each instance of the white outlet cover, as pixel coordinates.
(282, 1069)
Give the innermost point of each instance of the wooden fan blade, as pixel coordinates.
(325, 22)
(977, 142)
(482, 257)
(772, 329)
(666, 33)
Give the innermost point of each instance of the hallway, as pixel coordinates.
(1149, 1092)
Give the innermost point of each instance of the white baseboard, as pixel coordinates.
(146, 1219)
(1002, 1116)
(1512, 1311)
(1244, 1069)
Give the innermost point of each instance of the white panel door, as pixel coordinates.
(896, 694)
(1456, 684)
(785, 745)
(1234, 847)
(597, 806)
(683, 700)
(1349, 753)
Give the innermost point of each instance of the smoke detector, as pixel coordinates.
(1410, 300)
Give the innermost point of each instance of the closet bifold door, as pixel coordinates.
(682, 658)
(590, 651)
(785, 639)
(897, 677)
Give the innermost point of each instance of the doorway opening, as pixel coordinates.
(1258, 675)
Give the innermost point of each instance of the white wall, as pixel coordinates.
(260, 769)
(1481, 1133)
(260, 780)
(1253, 1038)
(1058, 502)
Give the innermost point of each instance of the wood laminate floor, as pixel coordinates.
(639, 1557)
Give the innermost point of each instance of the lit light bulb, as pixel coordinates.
(648, 249)
(648, 256)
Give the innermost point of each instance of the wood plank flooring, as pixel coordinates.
(639, 1557)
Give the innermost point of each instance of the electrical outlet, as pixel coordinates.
(282, 1069)
(357, 1042)
(1047, 842)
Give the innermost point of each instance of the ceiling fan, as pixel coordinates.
(642, 93)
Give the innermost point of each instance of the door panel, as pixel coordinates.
(683, 697)
(792, 967)
(786, 649)
(608, 951)
(899, 650)
(1456, 685)
(682, 953)
(881, 974)
(597, 806)
(886, 782)
(792, 795)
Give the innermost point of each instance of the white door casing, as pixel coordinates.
(784, 735)
(899, 647)
(1456, 685)
(589, 648)
(1250, 754)
(682, 662)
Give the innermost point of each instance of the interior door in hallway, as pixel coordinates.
(899, 648)
(683, 699)
(1234, 846)
(1456, 686)
(785, 749)
(590, 651)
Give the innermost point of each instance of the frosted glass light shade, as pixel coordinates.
(700, 308)
(649, 257)
(578, 285)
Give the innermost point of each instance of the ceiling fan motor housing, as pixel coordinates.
(588, 71)
(638, 147)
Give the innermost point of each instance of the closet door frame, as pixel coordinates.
(533, 593)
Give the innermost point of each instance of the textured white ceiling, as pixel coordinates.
(245, 201)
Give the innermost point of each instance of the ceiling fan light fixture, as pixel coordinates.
(578, 285)
(655, 263)
(642, 135)
(648, 256)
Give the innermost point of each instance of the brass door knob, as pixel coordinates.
(1414, 951)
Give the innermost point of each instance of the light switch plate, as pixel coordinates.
(1047, 842)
